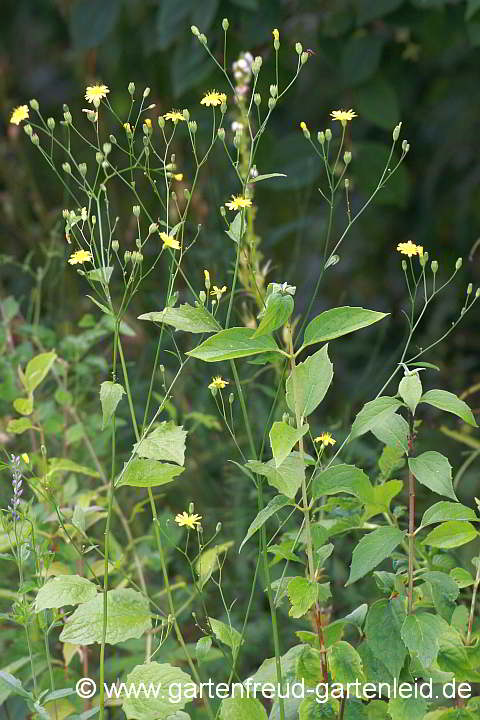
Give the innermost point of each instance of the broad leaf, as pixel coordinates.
(343, 478)
(186, 317)
(434, 471)
(177, 692)
(141, 472)
(279, 308)
(226, 634)
(450, 403)
(421, 633)
(373, 415)
(128, 616)
(308, 383)
(110, 395)
(408, 708)
(64, 590)
(372, 550)
(393, 431)
(242, 708)
(275, 504)
(283, 438)
(444, 592)
(451, 534)
(233, 343)
(19, 425)
(24, 406)
(410, 390)
(286, 479)
(208, 562)
(444, 510)
(37, 369)
(238, 227)
(345, 664)
(339, 321)
(384, 622)
(304, 593)
(166, 442)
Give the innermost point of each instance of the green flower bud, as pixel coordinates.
(231, 398)
(173, 195)
(131, 88)
(237, 140)
(115, 245)
(221, 133)
(256, 65)
(225, 24)
(271, 103)
(34, 139)
(347, 157)
(203, 39)
(146, 92)
(195, 30)
(161, 122)
(83, 169)
(405, 146)
(202, 296)
(112, 139)
(34, 105)
(396, 132)
(434, 267)
(28, 130)
(321, 137)
(127, 256)
(107, 148)
(304, 57)
(469, 289)
(276, 44)
(223, 108)
(223, 212)
(218, 527)
(153, 227)
(458, 264)
(298, 48)
(273, 90)
(404, 265)
(51, 124)
(68, 117)
(347, 183)
(136, 210)
(423, 259)
(328, 134)
(192, 125)
(186, 194)
(477, 293)
(99, 157)
(66, 167)
(257, 99)
(186, 114)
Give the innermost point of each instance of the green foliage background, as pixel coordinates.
(391, 60)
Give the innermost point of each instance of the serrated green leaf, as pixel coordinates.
(279, 308)
(450, 403)
(24, 406)
(101, 274)
(410, 390)
(242, 708)
(372, 415)
(407, 708)
(444, 592)
(420, 633)
(304, 593)
(128, 616)
(19, 425)
(186, 317)
(145, 472)
(451, 534)
(434, 471)
(384, 622)
(391, 459)
(393, 431)
(37, 370)
(343, 478)
(110, 395)
(226, 634)
(345, 664)
(64, 590)
(166, 442)
(233, 343)
(462, 577)
(275, 504)
(308, 383)
(286, 479)
(177, 685)
(339, 321)
(372, 550)
(444, 510)
(283, 438)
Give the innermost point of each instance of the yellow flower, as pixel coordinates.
(191, 521)
(25, 458)
(175, 116)
(218, 292)
(81, 256)
(276, 35)
(326, 439)
(303, 125)
(95, 93)
(128, 127)
(178, 176)
(343, 116)
(237, 202)
(20, 113)
(169, 241)
(410, 249)
(207, 278)
(218, 383)
(148, 123)
(213, 98)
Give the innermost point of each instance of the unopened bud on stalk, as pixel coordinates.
(51, 124)
(305, 130)
(347, 157)
(136, 210)
(203, 38)
(458, 264)
(28, 130)
(298, 48)
(404, 265)
(225, 24)
(256, 65)
(35, 140)
(434, 267)
(304, 57)
(186, 114)
(67, 115)
(191, 508)
(405, 146)
(347, 183)
(115, 245)
(218, 527)
(469, 289)
(66, 167)
(83, 169)
(161, 122)
(107, 148)
(273, 90)
(99, 157)
(153, 227)
(34, 105)
(477, 293)
(231, 398)
(328, 134)
(271, 103)
(138, 243)
(257, 99)
(223, 108)
(423, 259)
(131, 88)
(321, 137)
(146, 92)
(221, 134)
(192, 126)
(202, 296)
(186, 193)
(127, 256)
(195, 30)
(396, 132)
(223, 212)
(112, 139)
(237, 140)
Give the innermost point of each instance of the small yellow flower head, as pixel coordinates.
(343, 116)
(95, 93)
(213, 98)
(207, 279)
(148, 123)
(25, 458)
(238, 202)
(305, 130)
(190, 521)
(218, 383)
(218, 292)
(81, 256)
(326, 439)
(169, 241)
(175, 116)
(410, 249)
(178, 177)
(128, 128)
(276, 34)
(20, 113)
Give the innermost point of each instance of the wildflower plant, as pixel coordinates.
(424, 624)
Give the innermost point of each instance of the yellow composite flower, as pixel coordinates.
(175, 116)
(19, 113)
(218, 383)
(276, 35)
(148, 123)
(95, 93)
(191, 521)
(238, 202)
(169, 241)
(343, 116)
(326, 439)
(212, 98)
(218, 292)
(409, 248)
(25, 458)
(207, 277)
(80, 256)
(128, 127)
(178, 177)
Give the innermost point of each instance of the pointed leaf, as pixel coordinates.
(233, 343)
(408, 708)
(279, 308)
(420, 633)
(450, 403)
(444, 510)
(242, 708)
(186, 317)
(393, 431)
(226, 634)
(345, 664)
(259, 178)
(275, 504)
(384, 622)
(148, 473)
(434, 471)
(307, 385)
(304, 593)
(451, 534)
(64, 590)
(146, 705)
(339, 321)
(343, 478)
(410, 390)
(110, 395)
(372, 550)
(373, 414)
(286, 479)
(37, 370)
(283, 438)
(166, 442)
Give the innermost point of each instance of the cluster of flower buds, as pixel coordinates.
(242, 72)
(72, 218)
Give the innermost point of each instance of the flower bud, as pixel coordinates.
(405, 146)
(195, 30)
(191, 508)
(304, 57)
(28, 130)
(347, 183)
(477, 293)
(34, 105)
(192, 126)
(458, 264)
(396, 132)
(223, 212)
(67, 117)
(107, 148)
(237, 140)
(434, 266)
(136, 210)
(231, 398)
(225, 24)
(305, 130)
(469, 289)
(321, 137)
(223, 108)
(347, 157)
(221, 134)
(153, 227)
(146, 92)
(218, 527)
(127, 255)
(186, 194)
(273, 90)
(131, 88)
(423, 259)
(34, 139)
(186, 114)
(257, 99)
(256, 65)
(161, 122)
(271, 103)
(51, 124)
(203, 38)
(404, 265)
(99, 157)
(83, 169)
(328, 134)
(298, 48)
(66, 167)
(112, 139)
(202, 296)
